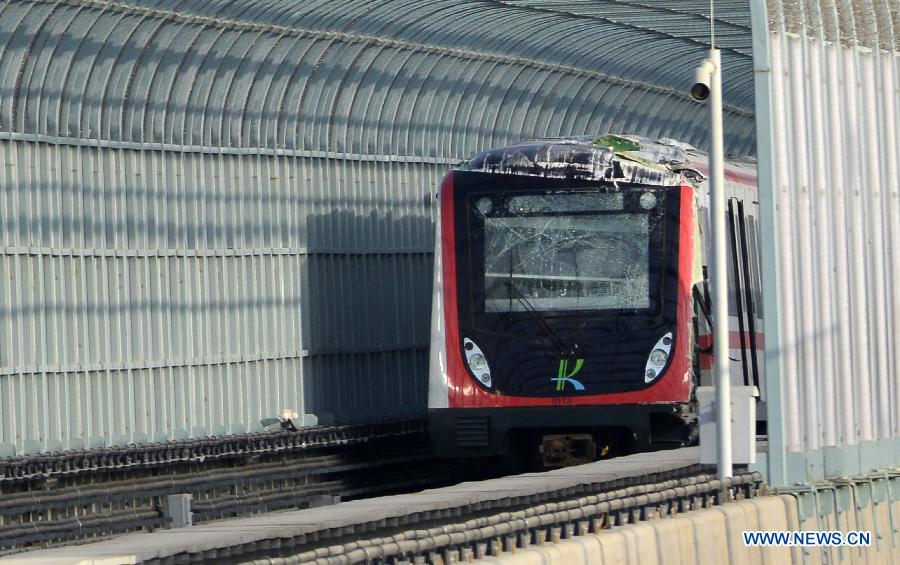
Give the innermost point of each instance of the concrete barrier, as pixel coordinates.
(714, 536)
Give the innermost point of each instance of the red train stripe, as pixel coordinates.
(738, 177)
(734, 340)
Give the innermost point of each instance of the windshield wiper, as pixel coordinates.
(564, 349)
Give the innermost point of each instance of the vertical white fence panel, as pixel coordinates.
(889, 96)
(827, 343)
(828, 75)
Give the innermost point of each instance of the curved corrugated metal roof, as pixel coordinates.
(437, 79)
(680, 28)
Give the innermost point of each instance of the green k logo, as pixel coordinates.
(564, 376)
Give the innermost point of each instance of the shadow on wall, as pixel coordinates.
(366, 312)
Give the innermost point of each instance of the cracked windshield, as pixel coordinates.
(587, 254)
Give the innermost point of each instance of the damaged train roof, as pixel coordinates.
(611, 158)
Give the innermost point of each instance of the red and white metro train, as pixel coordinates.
(571, 311)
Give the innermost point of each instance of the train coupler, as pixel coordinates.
(564, 450)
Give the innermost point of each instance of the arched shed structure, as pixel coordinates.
(214, 210)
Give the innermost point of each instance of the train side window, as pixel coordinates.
(756, 276)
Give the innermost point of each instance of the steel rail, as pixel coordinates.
(59, 464)
(20, 536)
(107, 492)
(62, 498)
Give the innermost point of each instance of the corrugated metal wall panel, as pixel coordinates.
(215, 210)
(152, 295)
(830, 83)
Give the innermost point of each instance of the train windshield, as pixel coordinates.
(567, 251)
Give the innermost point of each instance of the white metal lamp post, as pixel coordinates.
(708, 85)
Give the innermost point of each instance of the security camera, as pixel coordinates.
(702, 80)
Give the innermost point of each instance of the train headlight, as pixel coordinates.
(477, 362)
(484, 206)
(648, 201)
(659, 357)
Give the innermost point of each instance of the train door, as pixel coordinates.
(742, 302)
(745, 308)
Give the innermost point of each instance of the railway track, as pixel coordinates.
(74, 497)
(476, 535)
(474, 532)
(457, 523)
